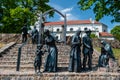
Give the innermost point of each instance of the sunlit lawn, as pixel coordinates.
(115, 51)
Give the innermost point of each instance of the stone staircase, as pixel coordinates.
(8, 63)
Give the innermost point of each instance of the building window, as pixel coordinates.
(58, 30)
(96, 29)
(71, 29)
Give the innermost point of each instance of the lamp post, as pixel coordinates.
(64, 30)
(39, 23)
(93, 28)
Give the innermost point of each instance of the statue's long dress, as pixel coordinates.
(51, 60)
(75, 59)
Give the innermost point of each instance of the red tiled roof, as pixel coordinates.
(105, 34)
(71, 22)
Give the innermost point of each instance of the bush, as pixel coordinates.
(93, 36)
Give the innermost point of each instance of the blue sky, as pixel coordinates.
(71, 9)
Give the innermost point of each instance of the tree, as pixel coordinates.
(14, 13)
(102, 8)
(93, 36)
(116, 32)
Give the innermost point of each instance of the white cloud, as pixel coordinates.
(55, 6)
(67, 11)
(69, 15)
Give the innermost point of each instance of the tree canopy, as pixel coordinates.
(102, 8)
(116, 32)
(14, 13)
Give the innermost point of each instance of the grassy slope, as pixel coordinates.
(115, 51)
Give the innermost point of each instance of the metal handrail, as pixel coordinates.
(19, 54)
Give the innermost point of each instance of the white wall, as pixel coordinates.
(93, 27)
(104, 28)
(108, 38)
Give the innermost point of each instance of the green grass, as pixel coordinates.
(115, 51)
(97, 48)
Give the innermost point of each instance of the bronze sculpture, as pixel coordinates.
(75, 53)
(87, 50)
(51, 59)
(35, 35)
(24, 33)
(106, 53)
(38, 58)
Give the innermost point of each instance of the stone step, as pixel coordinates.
(12, 61)
(30, 75)
(65, 60)
(8, 61)
(34, 46)
(33, 55)
(28, 62)
(33, 51)
(29, 67)
(28, 58)
(32, 62)
(29, 55)
(31, 58)
(8, 66)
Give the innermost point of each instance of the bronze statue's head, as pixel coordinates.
(35, 26)
(78, 32)
(103, 42)
(39, 46)
(47, 32)
(88, 32)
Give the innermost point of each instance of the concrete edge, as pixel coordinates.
(6, 47)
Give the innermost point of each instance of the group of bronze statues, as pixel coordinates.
(34, 34)
(51, 59)
(75, 62)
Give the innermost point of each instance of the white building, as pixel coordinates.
(73, 25)
(105, 35)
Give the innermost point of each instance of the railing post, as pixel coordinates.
(65, 26)
(40, 26)
(19, 55)
(18, 59)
